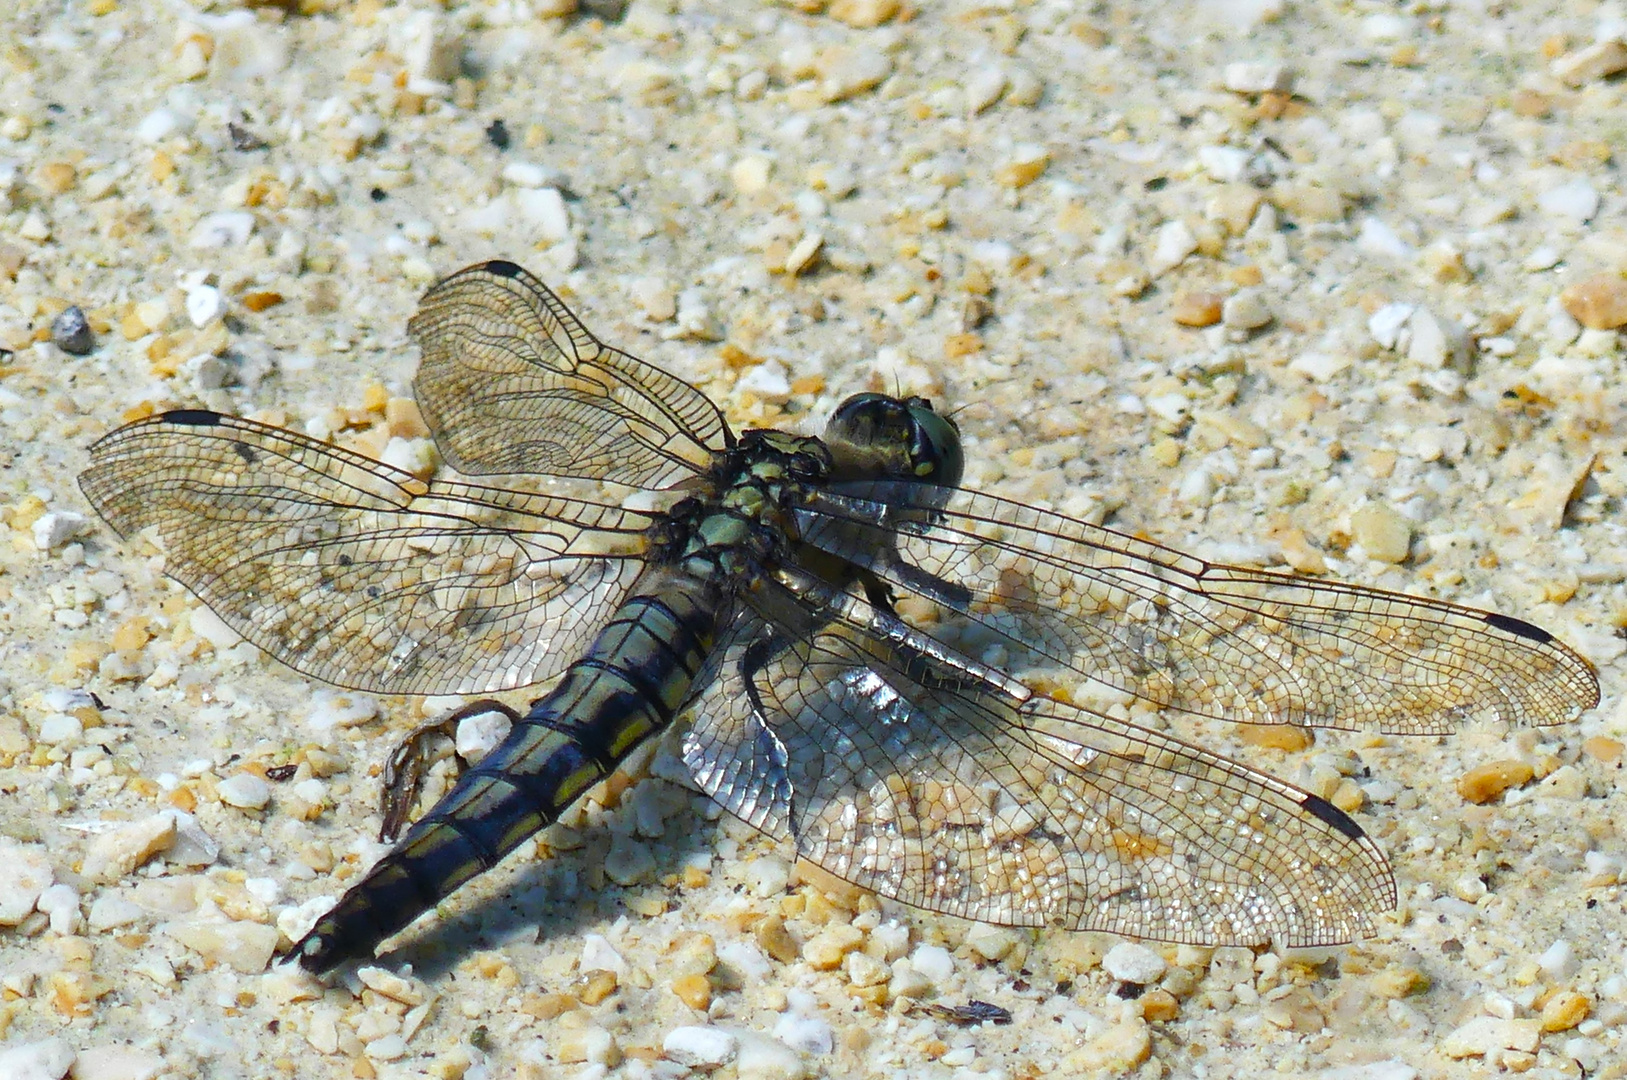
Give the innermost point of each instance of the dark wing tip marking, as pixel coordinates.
(1325, 811)
(1518, 627)
(192, 417)
(503, 268)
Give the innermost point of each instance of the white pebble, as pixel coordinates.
(984, 88)
(227, 228)
(1173, 243)
(1245, 309)
(1377, 238)
(1486, 1035)
(628, 862)
(337, 709)
(1543, 257)
(430, 45)
(545, 208)
(1387, 322)
(61, 903)
(528, 174)
(119, 852)
(1387, 27)
(245, 791)
(157, 125)
(1318, 366)
(766, 380)
(762, 1058)
(935, 962)
(204, 305)
(109, 912)
(48, 1059)
(1434, 340)
(191, 846)
(1576, 201)
(1559, 960)
(768, 876)
(1245, 77)
(56, 527)
(386, 1048)
(1224, 163)
(479, 734)
(245, 947)
(700, 1047)
(61, 729)
(599, 955)
(1132, 962)
(809, 1034)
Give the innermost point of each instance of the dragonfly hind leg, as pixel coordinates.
(410, 761)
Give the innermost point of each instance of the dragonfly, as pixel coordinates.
(924, 689)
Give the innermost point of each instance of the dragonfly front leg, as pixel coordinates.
(412, 758)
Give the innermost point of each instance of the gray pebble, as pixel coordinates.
(71, 332)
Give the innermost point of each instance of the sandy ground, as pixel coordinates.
(1032, 212)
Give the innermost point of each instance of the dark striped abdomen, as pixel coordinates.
(630, 684)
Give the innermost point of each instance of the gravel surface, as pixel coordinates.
(1337, 287)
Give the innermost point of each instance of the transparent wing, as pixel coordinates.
(1219, 641)
(920, 782)
(357, 573)
(511, 382)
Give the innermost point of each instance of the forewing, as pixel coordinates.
(1215, 640)
(911, 779)
(357, 573)
(511, 382)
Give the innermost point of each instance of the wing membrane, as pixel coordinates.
(511, 382)
(357, 573)
(1209, 639)
(911, 779)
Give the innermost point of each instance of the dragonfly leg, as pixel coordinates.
(412, 757)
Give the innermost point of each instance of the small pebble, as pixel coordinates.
(629, 862)
(244, 947)
(1172, 244)
(700, 1047)
(1377, 238)
(1542, 257)
(204, 305)
(1383, 533)
(60, 729)
(694, 991)
(545, 208)
(1598, 302)
(761, 1058)
(245, 791)
(768, 876)
(1434, 341)
(1564, 1011)
(1132, 962)
(121, 851)
(48, 1059)
(935, 962)
(1197, 308)
(1245, 310)
(1488, 1034)
(809, 1034)
(56, 527)
(1245, 77)
(71, 332)
(1559, 961)
(864, 14)
(1598, 61)
(984, 88)
(1576, 201)
(227, 228)
(479, 734)
(1483, 783)
(61, 903)
(598, 953)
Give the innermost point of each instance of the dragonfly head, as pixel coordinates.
(875, 436)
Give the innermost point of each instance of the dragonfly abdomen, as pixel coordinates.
(630, 684)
